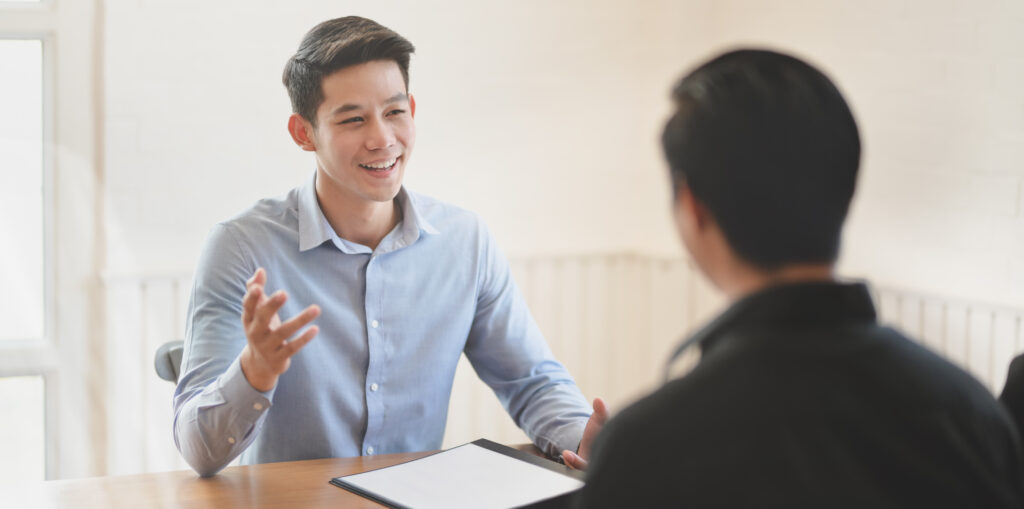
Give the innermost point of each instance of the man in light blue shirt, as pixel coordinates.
(399, 284)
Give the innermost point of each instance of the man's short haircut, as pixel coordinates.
(766, 142)
(334, 45)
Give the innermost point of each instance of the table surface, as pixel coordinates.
(288, 484)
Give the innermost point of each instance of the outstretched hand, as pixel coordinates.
(268, 351)
(594, 424)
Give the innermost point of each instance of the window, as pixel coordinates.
(22, 431)
(51, 361)
(21, 263)
(21, 189)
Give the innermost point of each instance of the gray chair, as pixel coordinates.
(168, 360)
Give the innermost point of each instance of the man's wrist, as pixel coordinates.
(262, 383)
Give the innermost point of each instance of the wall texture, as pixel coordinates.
(543, 117)
(612, 320)
(936, 86)
(540, 116)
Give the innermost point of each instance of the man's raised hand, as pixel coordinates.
(268, 351)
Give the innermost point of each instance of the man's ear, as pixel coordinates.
(690, 210)
(302, 132)
(412, 106)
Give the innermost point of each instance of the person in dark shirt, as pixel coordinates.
(1013, 391)
(800, 397)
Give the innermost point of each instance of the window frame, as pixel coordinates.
(69, 356)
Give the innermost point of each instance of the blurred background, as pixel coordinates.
(129, 127)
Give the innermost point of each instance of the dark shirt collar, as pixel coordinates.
(789, 306)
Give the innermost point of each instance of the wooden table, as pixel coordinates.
(292, 484)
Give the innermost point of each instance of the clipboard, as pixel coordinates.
(479, 474)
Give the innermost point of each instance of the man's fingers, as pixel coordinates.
(288, 349)
(266, 310)
(249, 302)
(593, 428)
(600, 410)
(259, 277)
(253, 295)
(253, 285)
(289, 328)
(573, 460)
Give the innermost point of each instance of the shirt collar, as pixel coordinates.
(407, 231)
(792, 306)
(315, 230)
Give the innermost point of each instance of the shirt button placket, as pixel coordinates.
(374, 346)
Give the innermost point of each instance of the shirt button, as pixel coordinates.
(231, 440)
(257, 406)
(375, 324)
(369, 450)
(374, 387)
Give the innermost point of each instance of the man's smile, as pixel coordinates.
(381, 165)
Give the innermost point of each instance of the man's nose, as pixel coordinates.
(381, 135)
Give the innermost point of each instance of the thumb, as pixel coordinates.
(573, 460)
(600, 410)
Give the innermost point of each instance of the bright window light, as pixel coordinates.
(22, 430)
(21, 189)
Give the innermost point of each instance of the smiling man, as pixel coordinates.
(400, 286)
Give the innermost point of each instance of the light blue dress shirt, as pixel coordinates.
(378, 377)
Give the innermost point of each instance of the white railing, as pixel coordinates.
(611, 319)
(144, 311)
(982, 338)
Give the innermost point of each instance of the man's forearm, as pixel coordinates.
(555, 418)
(214, 425)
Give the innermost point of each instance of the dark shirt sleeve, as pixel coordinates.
(615, 477)
(1013, 391)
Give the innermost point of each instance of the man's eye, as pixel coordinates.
(351, 120)
(396, 112)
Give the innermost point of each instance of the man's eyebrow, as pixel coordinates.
(345, 108)
(401, 96)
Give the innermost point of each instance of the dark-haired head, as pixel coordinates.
(334, 45)
(767, 144)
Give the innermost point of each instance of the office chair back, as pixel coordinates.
(168, 360)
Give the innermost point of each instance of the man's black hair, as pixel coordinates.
(334, 45)
(766, 142)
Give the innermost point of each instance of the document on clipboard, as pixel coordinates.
(480, 474)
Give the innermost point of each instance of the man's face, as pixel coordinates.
(694, 226)
(364, 134)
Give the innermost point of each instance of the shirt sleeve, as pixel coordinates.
(217, 413)
(509, 353)
(1013, 391)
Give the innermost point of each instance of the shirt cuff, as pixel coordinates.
(567, 437)
(235, 388)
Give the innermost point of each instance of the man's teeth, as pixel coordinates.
(380, 166)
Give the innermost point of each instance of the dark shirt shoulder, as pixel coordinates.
(791, 414)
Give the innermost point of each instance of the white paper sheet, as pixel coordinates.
(468, 476)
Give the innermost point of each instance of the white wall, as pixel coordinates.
(541, 116)
(937, 89)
